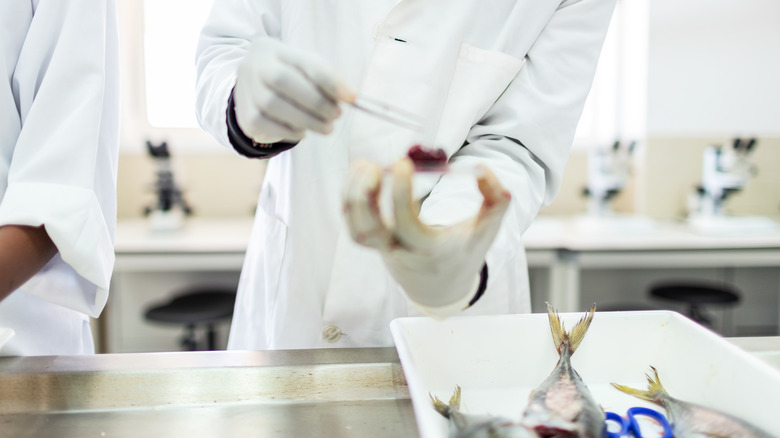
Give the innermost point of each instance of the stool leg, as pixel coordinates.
(697, 314)
(728, 328)
(211, 337)
(188, 342)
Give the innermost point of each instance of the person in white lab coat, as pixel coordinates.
(499, 85)
(59, 138)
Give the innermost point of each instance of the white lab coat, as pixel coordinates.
(499, 82)
(59, 138)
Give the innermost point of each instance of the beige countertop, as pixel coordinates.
(547, 232)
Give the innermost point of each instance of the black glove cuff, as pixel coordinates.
(243, 144)
(483, 279)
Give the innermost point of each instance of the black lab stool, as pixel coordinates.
(696, 296)
(195, 308)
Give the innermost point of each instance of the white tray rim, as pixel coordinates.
(430, 425)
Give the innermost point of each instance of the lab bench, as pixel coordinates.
(582, 243)
(329, 393)
(151, 264)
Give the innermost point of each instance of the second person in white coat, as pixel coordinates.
(59, 144)
(499, 85)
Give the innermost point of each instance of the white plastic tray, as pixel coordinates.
(5, 335)
(499, 360)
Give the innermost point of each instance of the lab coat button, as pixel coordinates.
(331, 333)
(377, 28)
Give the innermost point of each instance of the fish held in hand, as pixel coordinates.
(563, 406)
(463, 425)
(692, 420)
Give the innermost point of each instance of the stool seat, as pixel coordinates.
(193, 308)
(696, 295)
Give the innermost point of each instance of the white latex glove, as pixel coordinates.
(437, 266)
(281, 92)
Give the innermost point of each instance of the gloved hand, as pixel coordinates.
(281, 92)
(437, 266)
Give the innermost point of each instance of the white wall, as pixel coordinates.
(714, 68)
(713, 73)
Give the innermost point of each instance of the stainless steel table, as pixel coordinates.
(322, 393)
(303, 393)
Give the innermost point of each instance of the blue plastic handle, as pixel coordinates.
(624, 424)
(630, 427)
(634, 426)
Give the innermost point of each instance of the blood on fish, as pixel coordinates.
(552, 432)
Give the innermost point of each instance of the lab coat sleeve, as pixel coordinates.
(231, 27)
(525, 137)
(63, 170)
(243, 144)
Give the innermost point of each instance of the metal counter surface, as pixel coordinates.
(300, 393)
(324, 393)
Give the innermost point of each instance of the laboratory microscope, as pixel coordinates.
(725, 171)
(170, 209)
(608, 171)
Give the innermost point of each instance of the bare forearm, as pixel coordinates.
(23, 252)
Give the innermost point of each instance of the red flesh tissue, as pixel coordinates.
(427, 159)
(553, 432)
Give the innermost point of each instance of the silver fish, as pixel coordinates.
(562, 406)
(463, 425)
(691, 420)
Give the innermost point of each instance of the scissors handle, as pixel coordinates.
(624, 424)
(630, 426)
(647, 412)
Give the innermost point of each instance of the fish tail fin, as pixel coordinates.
(581, 328)
(577, 334)
(446, 409)
(559, 334)
(654, 390)
(455, 399)
(654, 383)
(638, 393)
(440, 406)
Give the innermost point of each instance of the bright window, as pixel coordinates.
(171, 29)
(158, 41)
(598, 124)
